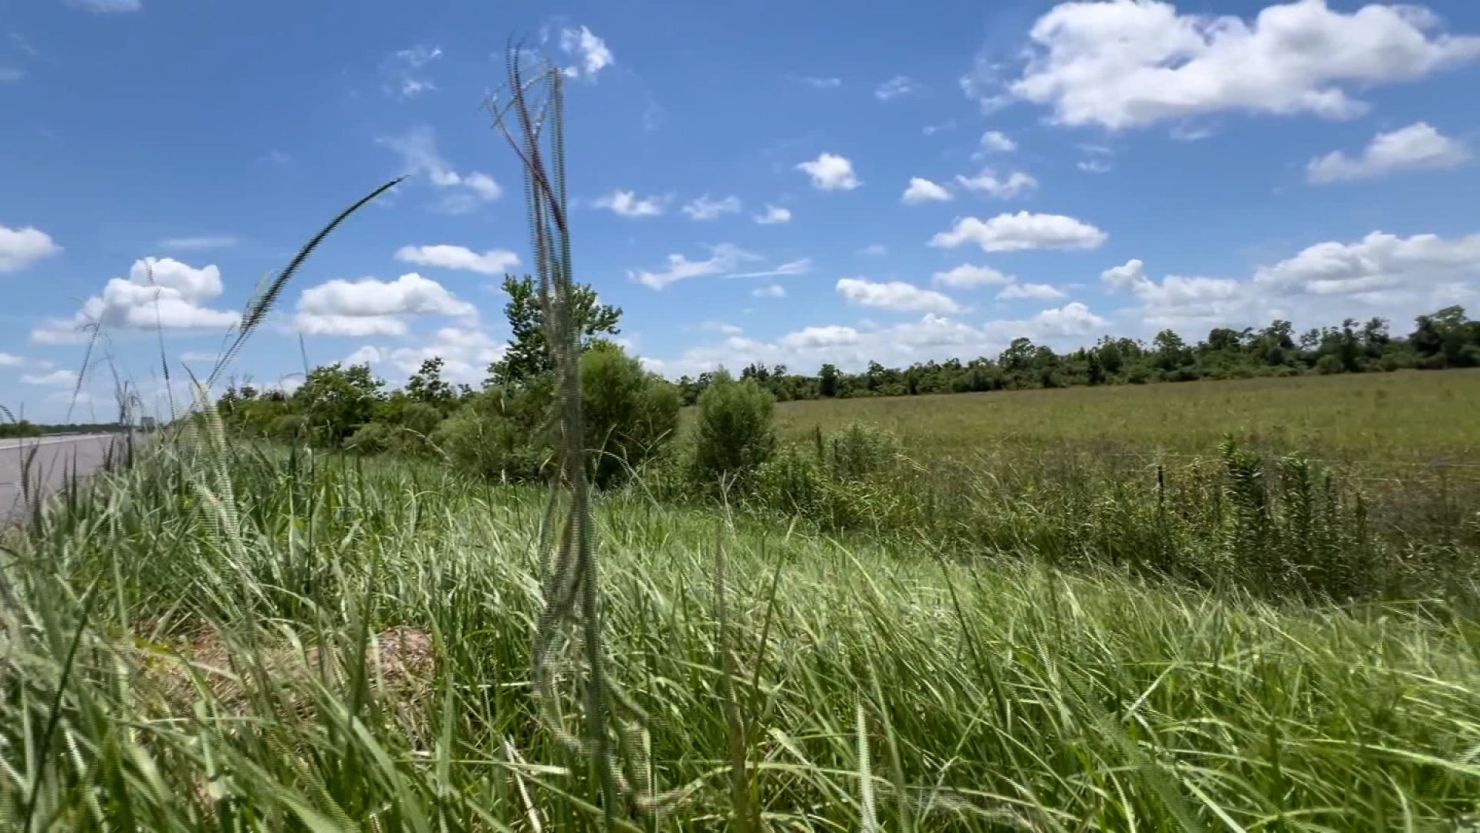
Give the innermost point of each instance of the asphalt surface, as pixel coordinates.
(54, 462)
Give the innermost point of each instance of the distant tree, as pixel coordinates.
(1171, 350)
(827, 381)
(1095, 369)
(336, 400)
(426, 385)
(527, 355)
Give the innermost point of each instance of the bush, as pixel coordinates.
(501, 434)
(628, 413)
(860, 451)
(735, 434)
(791, 482)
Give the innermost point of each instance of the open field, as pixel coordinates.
(171, 655)
(1410, 417)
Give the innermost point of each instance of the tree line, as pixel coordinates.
(1444, 339)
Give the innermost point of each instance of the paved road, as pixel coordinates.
(53, 463)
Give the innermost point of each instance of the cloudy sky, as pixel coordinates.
(786, 182)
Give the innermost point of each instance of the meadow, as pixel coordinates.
(182, 647)
(1403, 417)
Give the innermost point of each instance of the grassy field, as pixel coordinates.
(1409, 417)
(180, 654)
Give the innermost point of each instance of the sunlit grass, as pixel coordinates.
(975, 696)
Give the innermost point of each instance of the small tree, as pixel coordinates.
(335, 401)
(827, 381)
(629, 413)
(427, 386)
(527, 355)
(735, 433)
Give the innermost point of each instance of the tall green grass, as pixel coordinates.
(179, 654)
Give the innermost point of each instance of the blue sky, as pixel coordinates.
(783, 182)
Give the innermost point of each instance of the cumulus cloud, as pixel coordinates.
(773, 215)
(158, 292)
(995, 141)
(466, 353)
(1072, 320)
(899, 85)
(19, 248)
(590, 52)
(371, 307)
(896, 296)
(56, 378)
(461, 193)
(1036, 291)
(774, 290)
(810, 338)
(1417, 147)
(1093, 166)
(1021, 231)
(705, 208)
(1016, 184)
(490, 262)
(922, 190)
(9, 360)
(628, 204)
(830, 172)
(969, 276)
(1129, 64)
(1377, 262)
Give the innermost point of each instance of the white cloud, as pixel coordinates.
(490, 262)
(899, 85)
(818, 83)
(159, 292)
(1094, 166)
(774, 290)
(108, 6)
(371, 307)
(923, 190)
(932, 129)
(1037, 291)
(1379, 261)
(19, 248)
(1418, 147)
(874, 250)
(198, 244)
(723, 258)
(800, 266)
(995, 141)
(628, 204)
(1129, 64)
(1072, 320)
(56, 378)
(897, 296)
(1174, 291)
(10, 75)
(590, 52)
(403, 71)
(462, 193)
(1020, 232)
(810, 338)
(830, 172)
(773, 215)
(968, 276)
(722, 327)
(466, 353)
(705, 208)
(1017, 184)
(9, 360)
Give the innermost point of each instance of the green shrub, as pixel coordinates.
(791, 482)
(500, 434)
(861, 451)
(735, 433)
(628, 412)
